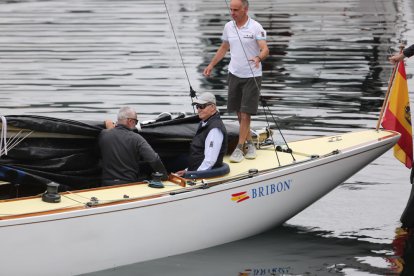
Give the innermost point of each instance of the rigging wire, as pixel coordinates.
(192, 91)
(262, 100)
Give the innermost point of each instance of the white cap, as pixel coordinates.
(204, 98)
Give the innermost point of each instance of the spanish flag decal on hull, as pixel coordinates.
(239, 197)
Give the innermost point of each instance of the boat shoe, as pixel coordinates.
(250, 151)
(237, 156)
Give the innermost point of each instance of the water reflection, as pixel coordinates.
(403, 245)
(284, 250)
(327, 63)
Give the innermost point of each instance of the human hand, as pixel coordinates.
(396, 58)
(109, 124)
(256, 61)
(180, 173)
(207, 71)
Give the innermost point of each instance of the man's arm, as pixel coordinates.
(264, 52)
(212, 147)
(221, 52)
(149, 155)
(409, 52)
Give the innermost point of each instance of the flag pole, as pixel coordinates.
(387, 95)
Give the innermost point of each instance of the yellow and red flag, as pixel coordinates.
(398, 117)
(239, 197)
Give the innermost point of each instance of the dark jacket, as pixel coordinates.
(198, 144)
(408, 52)
(122, 150)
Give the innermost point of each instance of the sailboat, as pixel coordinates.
(153, 219)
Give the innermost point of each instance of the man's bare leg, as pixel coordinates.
(244, 131)
(244, 134)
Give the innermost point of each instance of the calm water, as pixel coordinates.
(328, 71)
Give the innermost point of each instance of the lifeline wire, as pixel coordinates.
(192, 92)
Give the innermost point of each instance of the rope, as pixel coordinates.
(14, 141)
(3, 136)
(6, 145)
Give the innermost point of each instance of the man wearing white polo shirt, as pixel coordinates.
(246, 40)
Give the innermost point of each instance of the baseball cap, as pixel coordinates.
(204, 98)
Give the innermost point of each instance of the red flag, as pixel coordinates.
(398, 117)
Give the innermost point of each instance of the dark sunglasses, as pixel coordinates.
(202, 106)
(134, 119)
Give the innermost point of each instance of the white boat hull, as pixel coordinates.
(120, 234)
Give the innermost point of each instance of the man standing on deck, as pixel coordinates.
(246, 40)
(122, 150)
(407, 52)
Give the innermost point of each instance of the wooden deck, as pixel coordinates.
(302, 150)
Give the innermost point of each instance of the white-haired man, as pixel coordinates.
(122, 150)
(209, 145)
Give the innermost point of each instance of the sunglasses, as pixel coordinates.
(134, 119)
(202, 106)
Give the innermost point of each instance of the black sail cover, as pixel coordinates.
(66, 151)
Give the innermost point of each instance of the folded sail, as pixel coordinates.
(66, 151)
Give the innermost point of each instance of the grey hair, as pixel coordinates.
(245, 3)
(126, 112)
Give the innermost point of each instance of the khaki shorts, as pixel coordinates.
(243, 94)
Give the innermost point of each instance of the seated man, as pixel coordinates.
(210, 141)
(122, 150)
